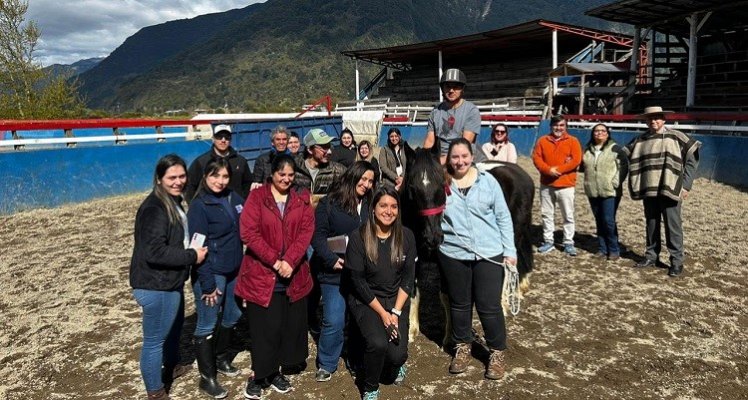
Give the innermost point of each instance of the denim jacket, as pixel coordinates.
(479, 222)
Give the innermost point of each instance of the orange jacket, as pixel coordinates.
(565, 154)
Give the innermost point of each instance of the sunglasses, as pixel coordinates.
(499, 131)
(222, 137)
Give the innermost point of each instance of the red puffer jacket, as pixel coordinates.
(270, 237)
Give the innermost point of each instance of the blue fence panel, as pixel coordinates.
(50, 177)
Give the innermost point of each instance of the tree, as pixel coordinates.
(26, 90)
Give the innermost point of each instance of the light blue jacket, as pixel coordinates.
(479, 222)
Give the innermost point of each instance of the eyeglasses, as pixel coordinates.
(324, 147)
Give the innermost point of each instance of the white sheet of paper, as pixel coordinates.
(198, 240)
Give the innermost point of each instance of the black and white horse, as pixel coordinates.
(424, 199)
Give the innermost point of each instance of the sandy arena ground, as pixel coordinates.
(588, 329)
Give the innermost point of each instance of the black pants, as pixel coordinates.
(479, 282)
(380, 354)
(657, 209)
(279, 335)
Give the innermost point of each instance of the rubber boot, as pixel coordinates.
(206, 364)
(224, 355)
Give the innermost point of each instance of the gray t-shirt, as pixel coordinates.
(448, 124)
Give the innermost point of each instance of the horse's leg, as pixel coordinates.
(414, 321)
(447, 320)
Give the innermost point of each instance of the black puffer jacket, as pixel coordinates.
(159, 259)
(241, 174)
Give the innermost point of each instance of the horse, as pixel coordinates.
(424, 198)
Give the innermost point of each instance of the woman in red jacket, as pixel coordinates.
(277, 226)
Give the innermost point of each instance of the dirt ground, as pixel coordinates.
(588, 329)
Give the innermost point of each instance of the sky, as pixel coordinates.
(73, 30)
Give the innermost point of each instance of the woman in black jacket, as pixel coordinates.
(342, 211)
(379, 277)
(345, 153)
(159, 267)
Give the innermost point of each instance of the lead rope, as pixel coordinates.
(510, 272)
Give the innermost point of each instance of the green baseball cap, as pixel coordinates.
(317, 136)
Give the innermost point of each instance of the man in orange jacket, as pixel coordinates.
(557, 157)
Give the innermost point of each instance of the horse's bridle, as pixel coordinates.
(430, 212)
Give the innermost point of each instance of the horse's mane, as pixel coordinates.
(425, 162)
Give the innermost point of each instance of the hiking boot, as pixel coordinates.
(158, 395)
(601, 254)
(675, 270)
(461, 359)
(401, 374)
(371, 395)
(614, 257)
(281, 384)
(570, 250)
(253, 390)
(322, 375)
(546, 247)
(496, 365)
(645, 263)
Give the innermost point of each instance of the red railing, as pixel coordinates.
(68, 124)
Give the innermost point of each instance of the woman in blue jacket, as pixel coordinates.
(339, 213)
(158, 269)
(214, 213)
(478, 235)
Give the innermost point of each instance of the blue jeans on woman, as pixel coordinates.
(331, 330)
(207, 316)
(604, 209)
(163, 316)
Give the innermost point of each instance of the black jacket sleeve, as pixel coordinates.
(154, 233)
(355, 262)
(321, 233)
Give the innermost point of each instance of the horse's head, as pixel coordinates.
(424, 189)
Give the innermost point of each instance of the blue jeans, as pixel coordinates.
(604, 209)
(163, 316)
(207, 316)
(331, 331)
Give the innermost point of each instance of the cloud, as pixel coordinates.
(78, 29)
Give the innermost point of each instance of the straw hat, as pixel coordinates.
(654, 110)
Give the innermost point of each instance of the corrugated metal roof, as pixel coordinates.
(669, 16)
(519, 36)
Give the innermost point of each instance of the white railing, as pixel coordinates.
(108, 138)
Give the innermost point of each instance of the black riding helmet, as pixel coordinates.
(453, 75)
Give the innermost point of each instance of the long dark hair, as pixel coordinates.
(343, 191)
(280, 161)
(591, 142)
(212, 168)
(163, 164)
(369, 230)
(457, 142)
(394, 130)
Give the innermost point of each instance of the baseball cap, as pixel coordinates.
(222, 129)
(317, 136)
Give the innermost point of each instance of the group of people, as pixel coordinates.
(660, 165)
(254, 245)
(313, 241)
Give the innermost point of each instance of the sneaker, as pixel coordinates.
(545, 247)
(601, 254)
(496, 365)
(371, 395)
(401, 374)
(461, 360)
(570, 250)
(281, 384)
(614, 257)
(253, 390)
(323, 375)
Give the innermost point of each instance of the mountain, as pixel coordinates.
(282, 53)
(73, 69)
